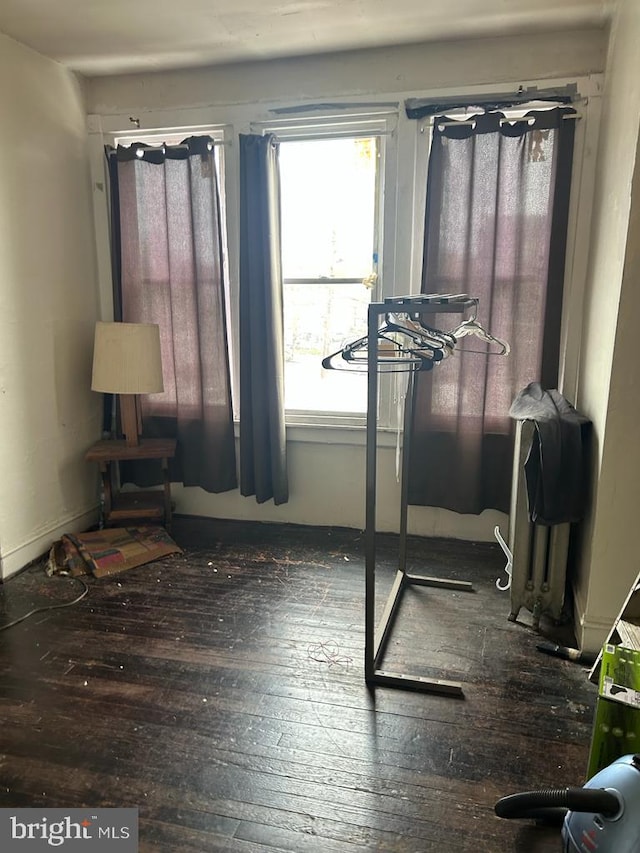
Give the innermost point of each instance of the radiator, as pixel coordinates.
(539, 551)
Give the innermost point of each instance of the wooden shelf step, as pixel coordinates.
(143, 504)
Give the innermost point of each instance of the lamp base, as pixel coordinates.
(130, 419)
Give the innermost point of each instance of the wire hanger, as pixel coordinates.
(472, 326)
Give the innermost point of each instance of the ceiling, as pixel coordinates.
(97, 37)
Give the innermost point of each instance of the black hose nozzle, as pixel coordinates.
(530, 803)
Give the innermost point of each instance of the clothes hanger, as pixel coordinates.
(394, 356)
(354, 356)
(443, 340)
(406, 338)
(424, 336)
(385, 364)
(409, 344)
(472, 326)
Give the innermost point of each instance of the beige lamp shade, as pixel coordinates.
(127, 359)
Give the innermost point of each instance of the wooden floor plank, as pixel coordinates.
(221, 692)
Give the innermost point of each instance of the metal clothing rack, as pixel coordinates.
(377, 635)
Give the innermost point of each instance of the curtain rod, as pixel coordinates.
(417, 108)
(214, 144)
(453, 123)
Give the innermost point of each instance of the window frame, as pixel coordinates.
(383, 125)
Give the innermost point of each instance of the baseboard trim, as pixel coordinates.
(21, 556)
(590, 633)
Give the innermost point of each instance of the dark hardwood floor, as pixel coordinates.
(221, 692)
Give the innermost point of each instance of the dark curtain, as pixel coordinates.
(495, 228)
(263, 460)
(168, 269)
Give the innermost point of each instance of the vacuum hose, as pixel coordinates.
(539, 804)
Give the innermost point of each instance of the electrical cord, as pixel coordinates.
(50, 606)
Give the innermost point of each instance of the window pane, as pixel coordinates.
(328, 196)
(328, 192)
(318, 320)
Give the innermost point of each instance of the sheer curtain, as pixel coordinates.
(495, 228)
(263, 454)
(168, 269)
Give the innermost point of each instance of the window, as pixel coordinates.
(331, 199)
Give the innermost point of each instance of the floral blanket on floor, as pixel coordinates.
(109, 551)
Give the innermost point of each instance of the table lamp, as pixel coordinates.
(127, 362)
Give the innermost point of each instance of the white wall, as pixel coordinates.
(327, 479)
(327, 487)
(48, 298)
(609, 372)
(377, 71)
